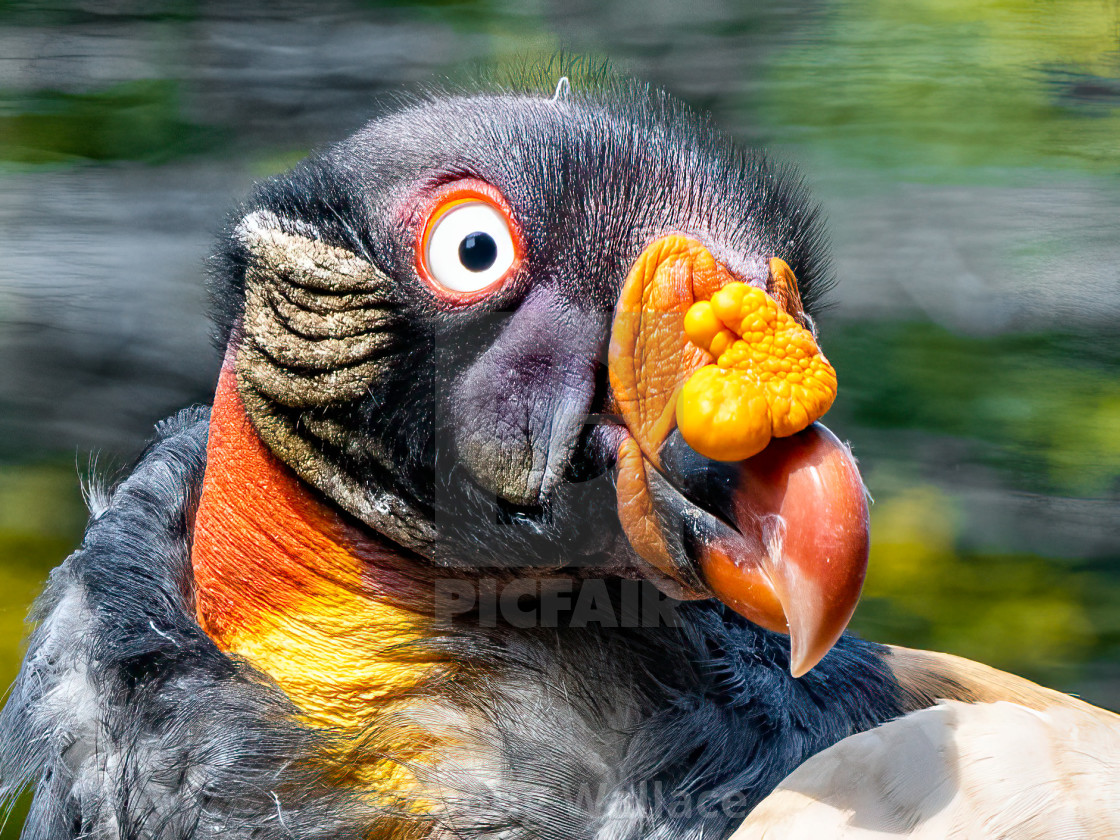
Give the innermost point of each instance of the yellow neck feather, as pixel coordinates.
(285, 582)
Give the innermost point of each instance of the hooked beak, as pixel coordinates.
(779, 535)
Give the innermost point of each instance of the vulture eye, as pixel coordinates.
(469, 243)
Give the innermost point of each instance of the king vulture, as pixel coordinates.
(512, 518)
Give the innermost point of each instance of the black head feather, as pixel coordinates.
(614, 148)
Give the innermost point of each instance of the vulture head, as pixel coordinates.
(464, 328)
(489, 361)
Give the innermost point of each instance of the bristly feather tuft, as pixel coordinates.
(94, 488)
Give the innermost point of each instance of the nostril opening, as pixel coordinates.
(596, 450)
(583, 465)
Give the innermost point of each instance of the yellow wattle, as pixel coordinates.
(769, 379)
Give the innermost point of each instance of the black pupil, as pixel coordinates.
(478, 251)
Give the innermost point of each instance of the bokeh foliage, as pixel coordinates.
(1036, 415)
(955, 86)
(137, 121)
(1045, 406)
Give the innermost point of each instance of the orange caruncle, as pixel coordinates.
(769, 378)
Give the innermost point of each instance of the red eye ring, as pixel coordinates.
(446, 198)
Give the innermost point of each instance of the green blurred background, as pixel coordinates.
(966, 153)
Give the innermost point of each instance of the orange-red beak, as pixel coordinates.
(781, 536)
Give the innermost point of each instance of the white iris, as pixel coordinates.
(446, 247)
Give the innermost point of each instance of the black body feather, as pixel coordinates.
(129, 722)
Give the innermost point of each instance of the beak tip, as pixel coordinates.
(802, 660)
(811, 637)
(799, 669)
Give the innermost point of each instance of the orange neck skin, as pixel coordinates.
(283, 580)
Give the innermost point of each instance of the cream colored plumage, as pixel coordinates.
(1044, 768)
